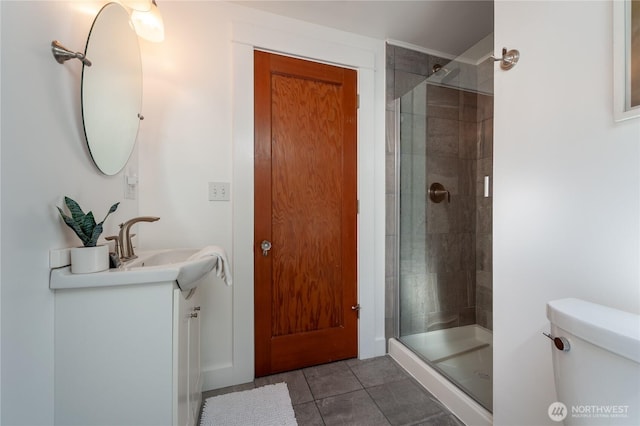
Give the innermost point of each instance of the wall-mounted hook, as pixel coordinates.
(509, 58)
(437, 193)
(62, 54)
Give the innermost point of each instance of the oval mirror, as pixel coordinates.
(112, 89)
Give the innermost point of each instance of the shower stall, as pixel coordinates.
(439, 200)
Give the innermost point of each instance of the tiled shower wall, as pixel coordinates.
(445, 248)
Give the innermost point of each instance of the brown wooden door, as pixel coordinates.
(306, 206)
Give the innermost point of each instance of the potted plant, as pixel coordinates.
(91, 257)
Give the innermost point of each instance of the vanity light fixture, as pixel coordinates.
(148, 24)
(141, 5)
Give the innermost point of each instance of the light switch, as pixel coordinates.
(130, 187)
(219, 191)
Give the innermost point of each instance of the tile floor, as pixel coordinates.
(370, 392)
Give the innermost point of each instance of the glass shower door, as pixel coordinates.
(445, 200)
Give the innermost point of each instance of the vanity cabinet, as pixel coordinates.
(127, 355)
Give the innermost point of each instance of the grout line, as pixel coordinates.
(377, 406)
(314, 400)
(366, 389)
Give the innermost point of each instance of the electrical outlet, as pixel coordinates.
(219, 191)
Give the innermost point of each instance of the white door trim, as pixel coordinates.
(246, 38)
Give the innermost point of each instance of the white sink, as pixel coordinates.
(161, 257)
(150, 267)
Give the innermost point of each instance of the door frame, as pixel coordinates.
(371, 184)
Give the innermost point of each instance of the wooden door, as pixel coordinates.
(306, 207)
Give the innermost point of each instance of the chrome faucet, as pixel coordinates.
(124, 237)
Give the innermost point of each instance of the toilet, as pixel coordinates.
(596, 363)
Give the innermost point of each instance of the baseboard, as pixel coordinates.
(221, 376)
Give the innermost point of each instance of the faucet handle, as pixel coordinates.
(117, 240)
(126, 247)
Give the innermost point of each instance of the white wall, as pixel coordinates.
(199, 112)
(567, 185)
(43, 158)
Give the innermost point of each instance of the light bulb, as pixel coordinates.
(141, 5)
(149, 25)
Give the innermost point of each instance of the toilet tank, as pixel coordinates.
(598, 377)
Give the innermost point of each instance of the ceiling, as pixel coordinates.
(443, 26)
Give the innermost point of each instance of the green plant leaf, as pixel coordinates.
(94, 236)
(76, 212)
(75, 226)
(88, 223)
(84, 225)
(111, 210)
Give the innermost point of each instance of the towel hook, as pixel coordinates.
(509, 58)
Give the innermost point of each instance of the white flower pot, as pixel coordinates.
(85, 260)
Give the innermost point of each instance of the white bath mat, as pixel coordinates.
(266, 406)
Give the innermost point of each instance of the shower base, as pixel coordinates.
(463, 355)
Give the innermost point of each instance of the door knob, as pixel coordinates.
(356, 308)
(265, 246)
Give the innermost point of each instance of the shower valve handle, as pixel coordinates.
(437, 193)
